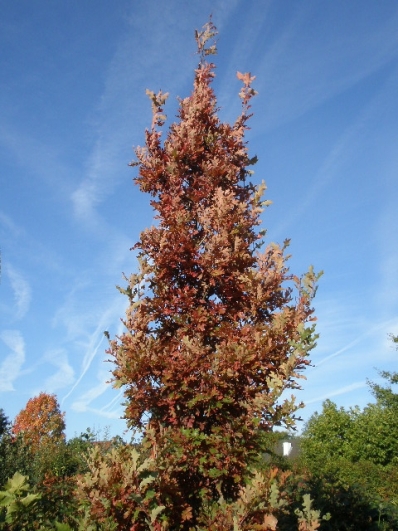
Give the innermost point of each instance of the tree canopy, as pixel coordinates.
(370, 434)
(40, 422)
(217, 326)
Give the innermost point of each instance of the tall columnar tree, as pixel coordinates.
(216, 330)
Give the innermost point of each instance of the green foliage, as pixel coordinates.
(62, 527)
(367, 435)
(350, 459)
(52, 472)
(54, 495)
(348, 506)
(57, 502)
(59, 460)
(15, 456)
(23, 507)
(309, 519)
(375, 435)
(328, 435)
(4, 423)
(16, 503)
(385, 396)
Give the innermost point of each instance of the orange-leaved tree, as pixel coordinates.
(217, 326)
(40, 422)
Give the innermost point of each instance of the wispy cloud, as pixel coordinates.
(107, 414)
(114, 402)
(341, 153)
(89, 356)
(386, 231)
(304, 64)
(350, 346)
(64, 376)
(96, 342)
(112, 136)
(297, 77)
(11, 366)
(340, 391)
(10, 225)
(112, 410)
(123, 111)
(38, 157)
(370, 331)
(82, 403)
(22, 291)
(19, 243)
(72, 314)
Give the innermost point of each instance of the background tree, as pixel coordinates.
(328, 435)
(351, 457)
(4, 423)
(216, 329)
(40, 422)
(370, 434)
(14, 454)
(7, 457)
(385, 395)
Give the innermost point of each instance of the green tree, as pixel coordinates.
(38, 437)
(4, 423)
(328, 435)
(351, 456)
(370, 434)
(375, 435)
(216, 329)
(385, 396)
(355, 435)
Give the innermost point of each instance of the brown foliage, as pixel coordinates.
(117, 491)
(216, 330)
(125, 491)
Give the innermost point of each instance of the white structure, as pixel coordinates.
(287, 448)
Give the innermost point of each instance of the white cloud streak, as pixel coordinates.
(38, 158)
(11, 366)
(9, 225)
(341, 152)
(303, 66)
(369, 332)
(124, 111)
(88, 358)
(340, 391)
(314, 74)
(64, 376)
(22, 291)
(82, 404)
(115, 401)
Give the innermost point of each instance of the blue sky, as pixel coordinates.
(72, 104)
